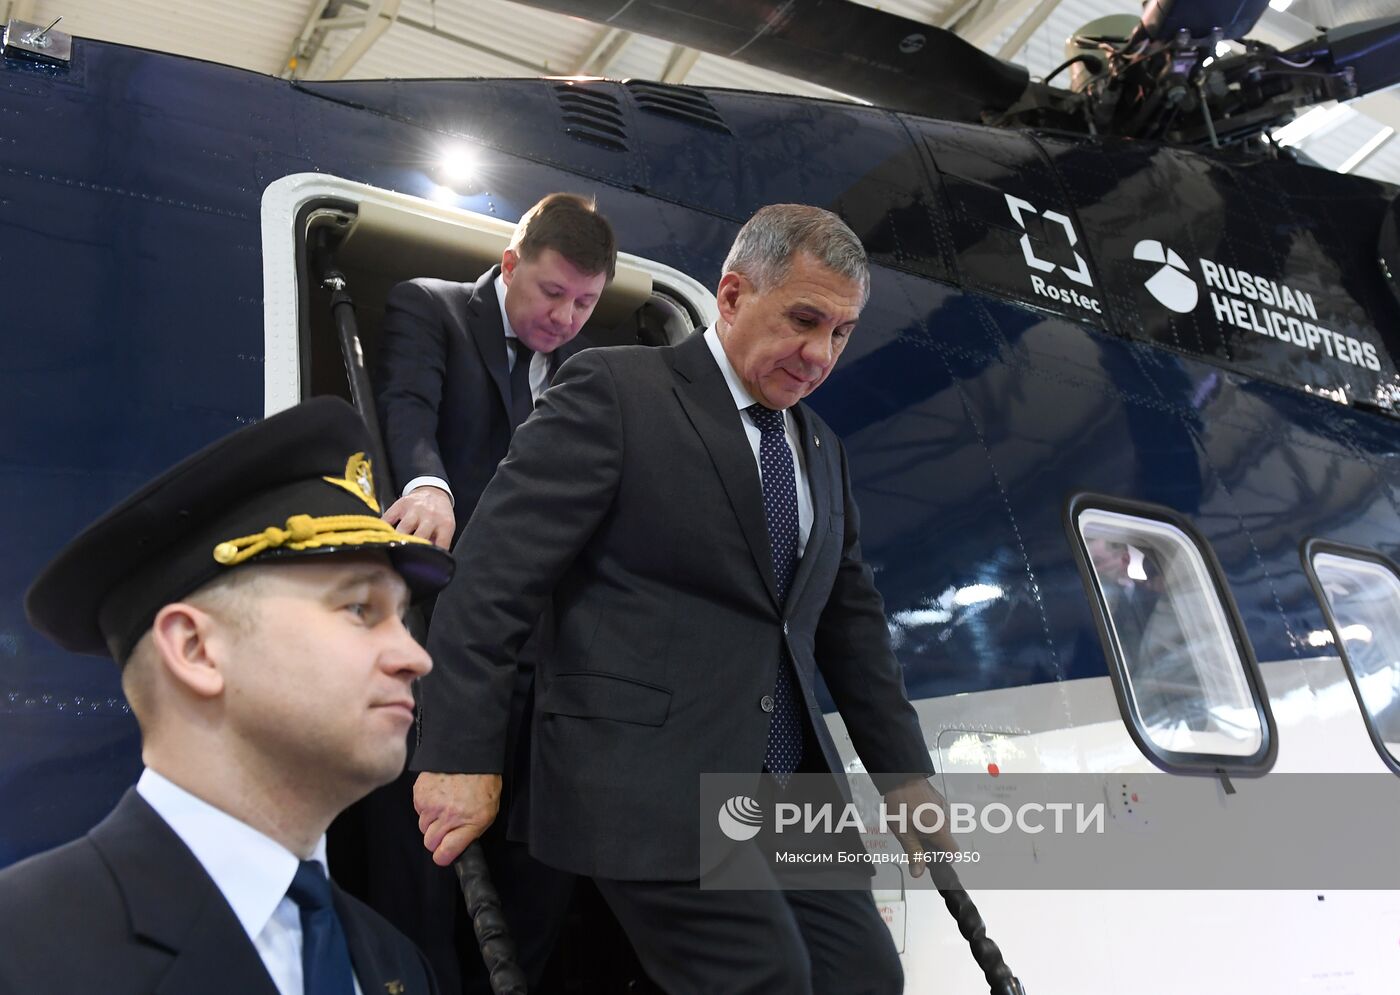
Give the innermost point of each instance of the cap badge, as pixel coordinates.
(358, 480)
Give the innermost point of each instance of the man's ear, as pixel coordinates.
(509, 260)
(733, 288)
(192, 646)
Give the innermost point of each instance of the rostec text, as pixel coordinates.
(1065, 295)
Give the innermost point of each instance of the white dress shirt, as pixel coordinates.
(742, 399)
(252, 871)
(539, 380)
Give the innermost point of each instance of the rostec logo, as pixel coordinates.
(740, 818)
(1171, 284)
(1079, 273)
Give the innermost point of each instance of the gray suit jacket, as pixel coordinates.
(631, 498)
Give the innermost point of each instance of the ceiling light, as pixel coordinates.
(1311, 123)
(458, 165)
(1373, 143)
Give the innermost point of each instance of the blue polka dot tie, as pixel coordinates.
(325, 956)
(780, 508)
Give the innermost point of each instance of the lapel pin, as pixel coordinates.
(816, 442)
(394, 987)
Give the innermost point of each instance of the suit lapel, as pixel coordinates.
(484, 325)
(709, 405)
(375, 972)
(814, 455)
(215, 961)
(174, 905)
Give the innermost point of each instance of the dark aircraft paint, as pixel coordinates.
(973, 407)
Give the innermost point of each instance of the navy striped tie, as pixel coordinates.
(780, 508)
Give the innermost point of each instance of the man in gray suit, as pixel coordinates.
(692, 526)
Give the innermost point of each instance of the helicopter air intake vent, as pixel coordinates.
(592, 115)
(691, 106)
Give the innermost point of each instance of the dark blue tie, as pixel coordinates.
(521, 401)
(780, 508)
(325, 956)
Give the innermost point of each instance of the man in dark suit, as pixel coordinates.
(254, 599)
(460, 368)
(692, 527)
(461, 364)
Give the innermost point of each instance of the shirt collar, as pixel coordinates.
(742, 397)
(500, 285)
(252, 870)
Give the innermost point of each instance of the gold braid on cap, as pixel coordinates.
(306, 532)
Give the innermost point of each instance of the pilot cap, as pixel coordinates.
(298, 484)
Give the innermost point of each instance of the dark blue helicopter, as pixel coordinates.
(1121, 411)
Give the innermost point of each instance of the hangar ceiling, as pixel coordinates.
(329, 39)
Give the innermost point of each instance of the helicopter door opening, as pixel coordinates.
(323, 235)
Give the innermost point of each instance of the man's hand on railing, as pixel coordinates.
(425, 512)
(920, 804)
(454, 810)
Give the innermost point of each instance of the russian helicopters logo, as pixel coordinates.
(740, 818)
(1079, 273)
(1250, 302)
(1172, 284)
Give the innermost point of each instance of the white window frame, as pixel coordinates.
(1366, 558)
(1164, 522)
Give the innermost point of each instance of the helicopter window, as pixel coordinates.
(1360, 594)
(1183, 670)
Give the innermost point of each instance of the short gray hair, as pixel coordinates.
(764, 248)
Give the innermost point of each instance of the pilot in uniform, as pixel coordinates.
(254, 599)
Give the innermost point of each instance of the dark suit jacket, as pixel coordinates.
(443, 382)
(632, 498)
(442, 395)
(128, 910)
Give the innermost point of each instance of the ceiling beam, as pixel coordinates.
(304, 48)
(949, 22)
(679, 64)
(382, 15)
(982, 26)
(1367, 149)
(606, 47)
(535, 68)
(1028, 27)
